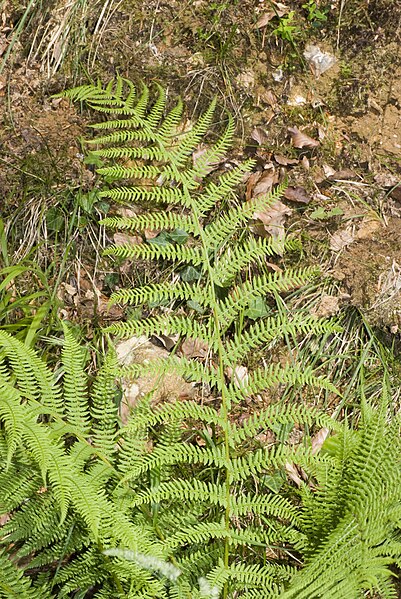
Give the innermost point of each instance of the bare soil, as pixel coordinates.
(197, 50)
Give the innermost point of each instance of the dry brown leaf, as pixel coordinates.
(328, 306)
(273, 219)
(301, 140)
(267, 96)
(238, 375)
(265, 183)
(284, 161)
(151, 233)
(267, 16)
(194, 348)
(124, 238)
(259, 135)
(328, 170)
(319, 439)
(305, 163)
(199, 153)
(250, 184)
(342, 175)
(293, 474)
(340, 240)
(297, 194)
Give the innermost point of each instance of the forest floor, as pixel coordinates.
(335, 136)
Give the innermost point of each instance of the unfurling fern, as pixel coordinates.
(183, 501)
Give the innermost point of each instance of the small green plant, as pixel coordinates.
(323, 214)
(317, 16)
(287, 29)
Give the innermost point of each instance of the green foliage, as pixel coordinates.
(178, 501)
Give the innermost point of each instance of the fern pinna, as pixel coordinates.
(105, 509)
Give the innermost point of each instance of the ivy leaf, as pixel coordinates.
(178, 236)
(257, 309)
(190, 274)
(55, 219)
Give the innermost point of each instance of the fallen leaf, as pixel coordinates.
(305, 163)
(238, 375)
(197, 156)
(268, 97)
(342, 175)
(194, 348)
(151, 233)
(301, 140)
(319, 439)
(340, 240)
(297, 194)
(328, 170)
(125, 239)
(267, 16)
(284, 161)
(265, 183)
(273, 219)
(327, 306)
(250, 184)
(293, 474)
(259, 135)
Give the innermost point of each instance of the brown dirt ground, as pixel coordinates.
(199, 49)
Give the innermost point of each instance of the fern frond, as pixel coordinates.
(104, 409)
(259, 286)
(34, 379)
(75, 383)
(148, 251)
(151, 221)
(222, 228)
(274, 328)
(159, 292)
(170, 325)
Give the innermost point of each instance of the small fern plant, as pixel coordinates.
(98, 508)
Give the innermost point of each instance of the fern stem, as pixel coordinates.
(225, 400)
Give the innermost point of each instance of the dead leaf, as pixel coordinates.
(301, 140)
(319, 439)
(169, 342)
(293, 474)
(342, 175)
(327, 306)
(151, 233)
(250, 184)
(340, 240)
(273, 219)
(194, 348)
(266, 17)
(198, 154)
(284, 161)
(267, 96)
(297, 194)
(125, 239)
(305, 163)
(238, 375)
(259, 135)
(265, 183)
(396, 193)
(328, 170)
